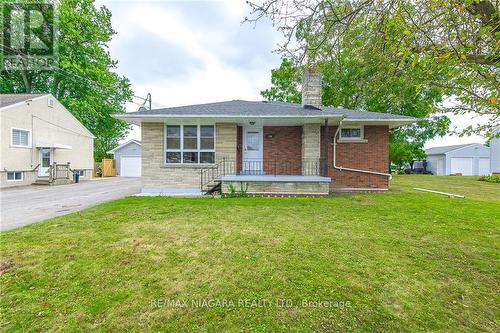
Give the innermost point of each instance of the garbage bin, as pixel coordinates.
(76, 177)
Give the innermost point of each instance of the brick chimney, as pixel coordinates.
(311, 87)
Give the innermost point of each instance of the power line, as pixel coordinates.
(83, 78)
(63, 128)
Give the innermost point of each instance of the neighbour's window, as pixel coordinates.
(190, 144)
(351, 133)
(15, 176)
(20, 137)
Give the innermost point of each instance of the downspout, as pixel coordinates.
(335, 166)
(325, 149)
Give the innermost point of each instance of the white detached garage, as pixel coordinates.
(128, 157)
(468, 159)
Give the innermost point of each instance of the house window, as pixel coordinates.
(15, 176)
(81, 173)
(190, 144)
(351, 133)
(20, 137)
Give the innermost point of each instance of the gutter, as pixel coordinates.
(125, 116)
(340, 168)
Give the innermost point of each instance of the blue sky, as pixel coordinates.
(188, 52)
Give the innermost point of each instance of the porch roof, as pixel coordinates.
(52, 145)
(232, 111)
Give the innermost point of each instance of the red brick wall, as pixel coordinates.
(373, 156)
(285, 147)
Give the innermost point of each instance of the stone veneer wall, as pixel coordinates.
(311, 141)
(225, 141)
(300, 188)
(156, 174)
(311, 87)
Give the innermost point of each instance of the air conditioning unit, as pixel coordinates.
(50, 102)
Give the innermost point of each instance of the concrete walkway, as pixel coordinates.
(24, 205)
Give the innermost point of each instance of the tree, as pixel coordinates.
(84, 80)
(455, 41)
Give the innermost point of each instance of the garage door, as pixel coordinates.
(462, 165)
(484, 166)
(130, 166)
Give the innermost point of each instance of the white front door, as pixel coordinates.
(252, 150)
(46, 157)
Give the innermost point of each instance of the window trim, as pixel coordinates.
(181, 150)
(15, 180)
(12, 129)
(361, 137)
(81, 171)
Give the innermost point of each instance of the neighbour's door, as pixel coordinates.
(45, 162)
(252, 152)
(440, 167)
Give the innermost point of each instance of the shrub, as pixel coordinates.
(233, 193)
(490, 179)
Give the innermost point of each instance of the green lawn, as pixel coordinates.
(401, 261)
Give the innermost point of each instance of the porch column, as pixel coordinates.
(311, 146)
(226, 144)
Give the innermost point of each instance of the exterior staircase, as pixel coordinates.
(213, 186)
(59, 174)
(42, 181)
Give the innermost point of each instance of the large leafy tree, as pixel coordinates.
(351, 85)
(84, 79)
(452, 46)
(359, 75)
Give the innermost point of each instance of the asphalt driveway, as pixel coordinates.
(29, 204)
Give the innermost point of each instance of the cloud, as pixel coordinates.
(192, 52)
(149, 58)
(188, 52)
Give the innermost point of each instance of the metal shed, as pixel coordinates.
(467, 159)
(495, 153)
(128, 157)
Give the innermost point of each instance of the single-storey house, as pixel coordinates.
(467, 159)
(128, 158)
(41, 141)
(265, 147)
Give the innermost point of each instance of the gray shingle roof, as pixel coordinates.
(251, 108)
(9, 99)
(445, 149)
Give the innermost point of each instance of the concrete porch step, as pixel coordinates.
(45, 181)
(42, 181)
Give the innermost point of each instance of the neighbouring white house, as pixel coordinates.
(41, 141)
(468, 159)
(128, 158)
(495, 153)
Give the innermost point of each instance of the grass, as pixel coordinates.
(402, 261)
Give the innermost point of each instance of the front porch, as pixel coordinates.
(276, 184)
(267, 177)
